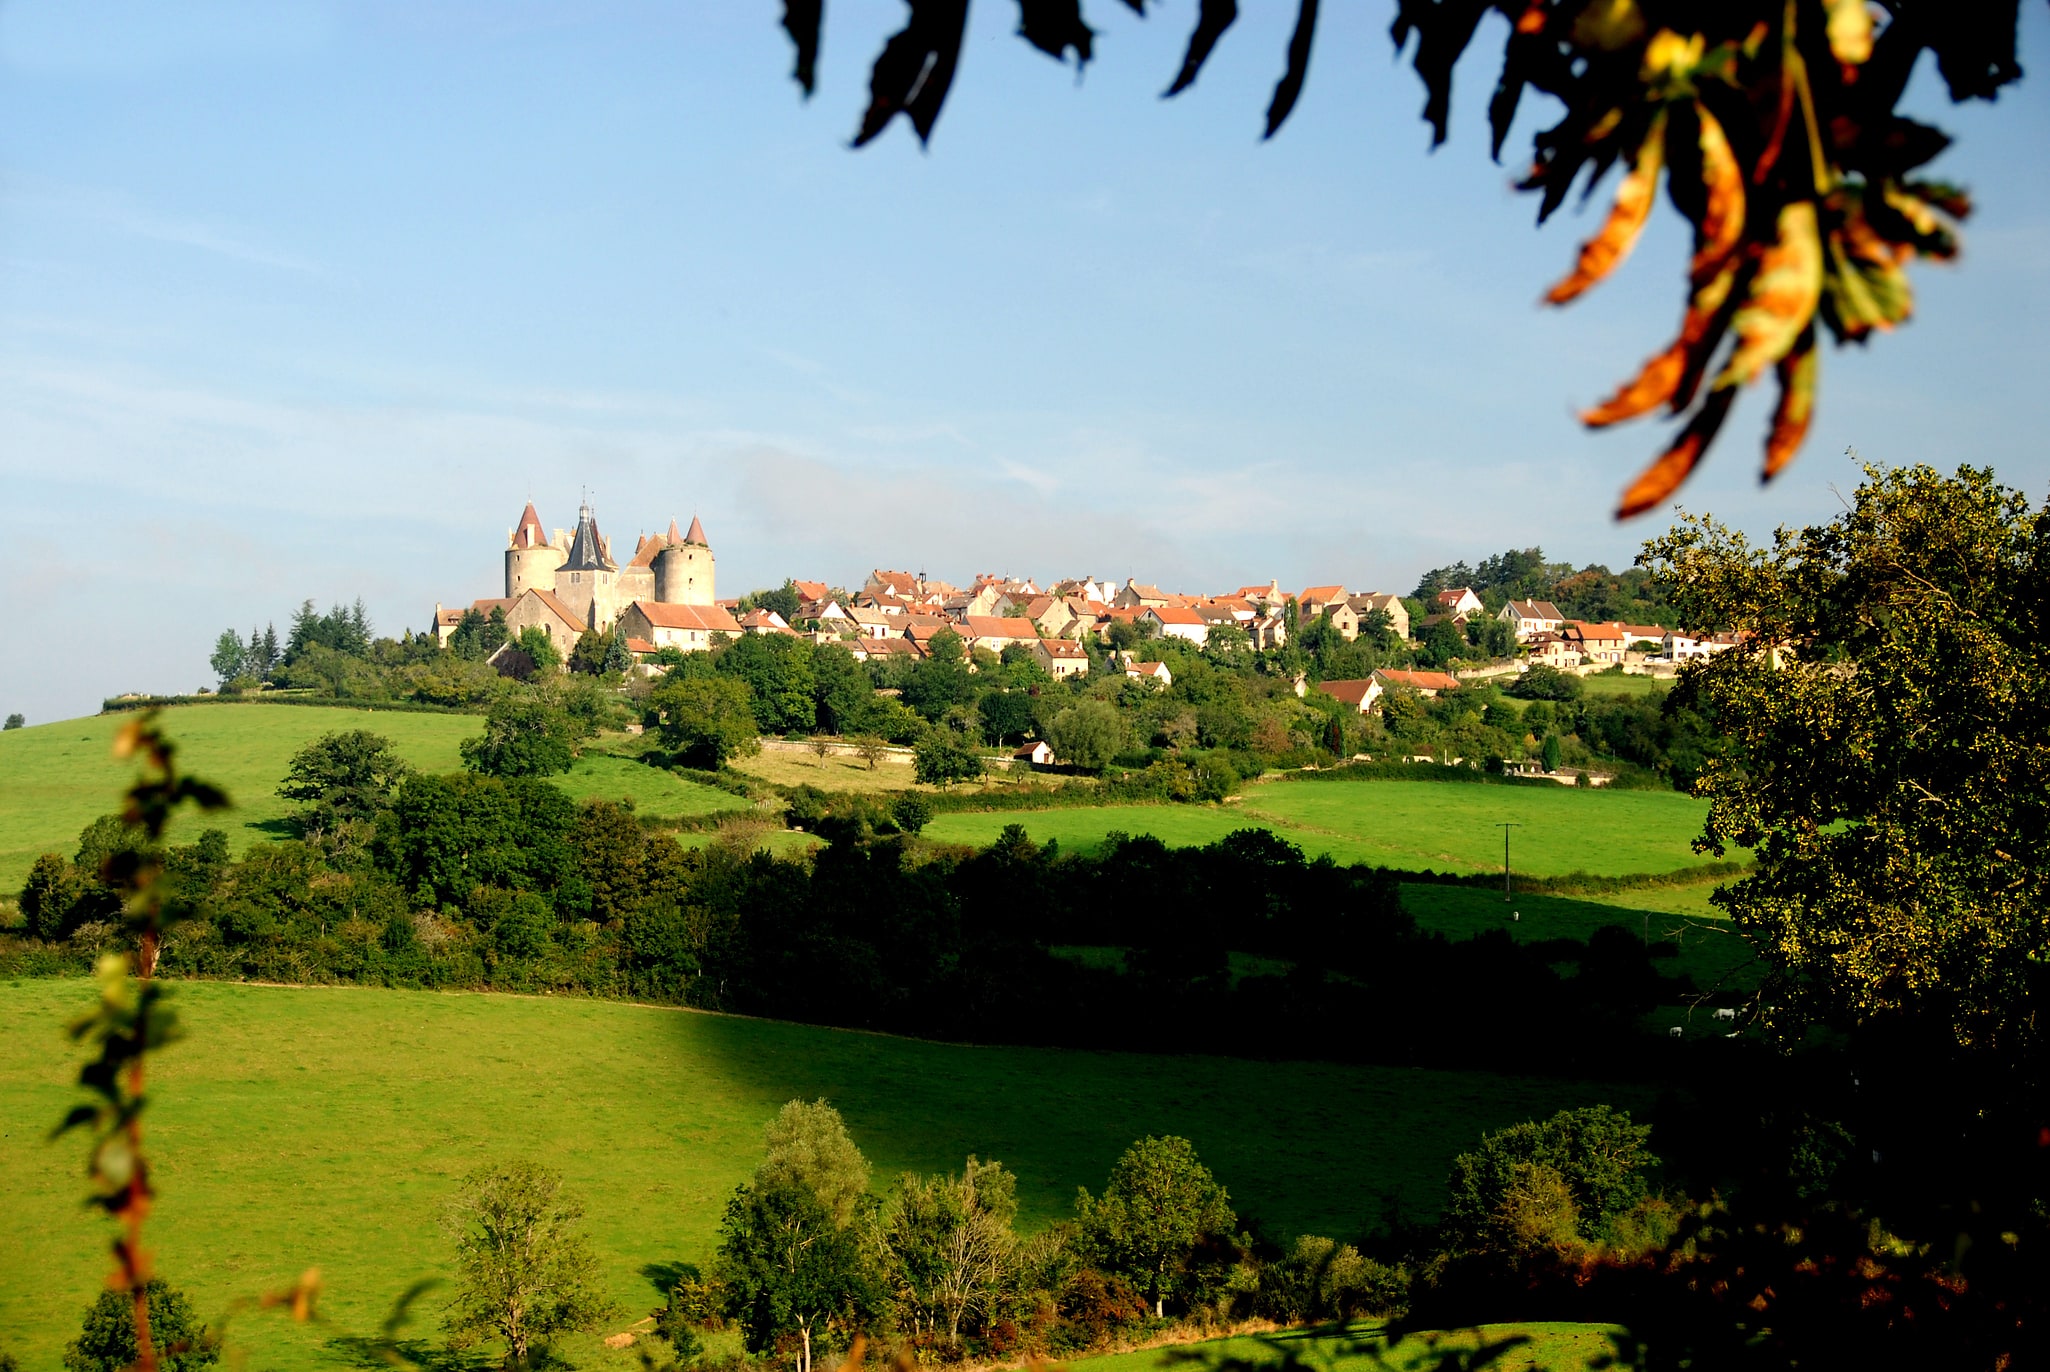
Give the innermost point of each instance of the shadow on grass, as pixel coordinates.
(665, 1275)
(386, 1354)
(1356, 1346)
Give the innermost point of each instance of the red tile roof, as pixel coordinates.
(1419, 681)
(528, 533)
(1321, 593)
(1175, 614)
(1351, 692)
(992, 626)
(705, 618)
(696, 534)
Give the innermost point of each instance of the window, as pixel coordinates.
(575, 578)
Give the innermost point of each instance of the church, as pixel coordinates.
(569, 582)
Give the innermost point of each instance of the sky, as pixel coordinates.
(305, 300)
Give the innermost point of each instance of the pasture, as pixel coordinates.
(61, 777)
(324, 1126)
(1557, 1347)
(1415, 825)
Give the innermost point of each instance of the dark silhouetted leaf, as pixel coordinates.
(801, 20)
(1213, 17)
(1054, 26)
(1443, 29)
(1290, 86)
(914, 69)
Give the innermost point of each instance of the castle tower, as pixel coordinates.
(684, 568)
(530, 559)
(585, 580)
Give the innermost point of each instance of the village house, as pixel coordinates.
(1315, 599)
(537, 609)
(1686, 647)
(1344, 619)
(1268, 632)
(1268, 597)
(1149, 671)
(765, 622)
(1038, 753)
(875, 649)
(1604, 642)
(1060, 657)
(1383, 603)
(1528, 617)
(1133, 596)
(1554, 651)
(1050, 615)
(996, 633)
(1459, 602)
(1175, 621)
(1359, 694)
(688, 628)
(1423, 683)
(1087, 587)
(811, 590)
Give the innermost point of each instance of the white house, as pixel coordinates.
(1529, 617)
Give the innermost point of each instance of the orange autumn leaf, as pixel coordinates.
(1722, 217)
(1660, 378)
(1797, 372)
(1634, 198)
(1676, 463)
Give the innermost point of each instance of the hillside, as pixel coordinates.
(324, 1126)
(62, 776)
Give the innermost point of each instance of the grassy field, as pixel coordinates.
(1501, 1348)
(324, 1126)
(1600, 684)
(60, 777)
(1442, 826)
(786, 767)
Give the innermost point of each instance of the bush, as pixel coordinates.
(1553, 1182)
(106, 1341)
(525, 735)
(706, 721)
(941, 759)
(1539, 682)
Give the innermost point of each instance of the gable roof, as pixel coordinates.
(556, 607)
(1063, 647)
(1322, 593)
(1419, 681)
(1352, 692)
(1175, 614)
(812, 590)
(1535, 609)
(704, 618)
(994, 626)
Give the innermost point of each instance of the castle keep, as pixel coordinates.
(569, 582)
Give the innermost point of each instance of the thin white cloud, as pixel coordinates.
(117, 212)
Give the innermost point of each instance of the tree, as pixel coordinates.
(705, 721)
(1158, 1210)
(1088, 734)
(809, 1147)
(1773, 122)
(342, 776)
(14, 721)
(619, 658)
(1006, 716)
(871, 749)
(1540, 682)
(788, 1269)
(950, 1246)
(1550, 752)
(942, 758)
(539, 648)
(476, 635)
(1507, 1193)
(524, 1270)
(780, 683)
(525, 735)
(1884, 752)
(106, 1341)
(911, 811)
(229, 657)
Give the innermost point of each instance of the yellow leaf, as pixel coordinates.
(1790, 418)
(1782, 300)
(1850, 31)
(1722, 217)
(1659, 380)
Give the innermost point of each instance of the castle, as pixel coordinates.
(569, 582)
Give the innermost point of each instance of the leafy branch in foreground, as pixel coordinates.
(132, 1020)
(1772, 122)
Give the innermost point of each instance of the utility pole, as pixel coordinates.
(1505, 827)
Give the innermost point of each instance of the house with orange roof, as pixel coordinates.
(760, 621)
(1423, 683)
(687, 628)
(997, 632)
(1060, 657)
(811, 590)
(1176, 621)
(1316, 599)
(1605, 642)
(1359, 695)
(1149, 671)
(1459, 602)
(877, 649)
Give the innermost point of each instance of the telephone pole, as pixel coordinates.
(1505, 827)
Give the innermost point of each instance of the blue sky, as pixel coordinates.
(304, 300)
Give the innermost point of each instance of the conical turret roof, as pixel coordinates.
(528, 533)
(673, 536)
(587, 549)
(696, 534)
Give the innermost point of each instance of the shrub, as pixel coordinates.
(106, 1341)
(525, 735)
(1564, 1178)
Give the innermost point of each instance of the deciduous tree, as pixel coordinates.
(1158, 1211)
(707, 721)
(809, 1146)
(342, 776)
(524, 1270)
(525, 735)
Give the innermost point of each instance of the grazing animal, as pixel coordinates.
(1675, 1031)
(1726, 1014)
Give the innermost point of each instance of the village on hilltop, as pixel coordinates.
(567, 583)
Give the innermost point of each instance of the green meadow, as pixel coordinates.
(323, 1127)
(60, 777)
(1364, 1348)
(1417, 825)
